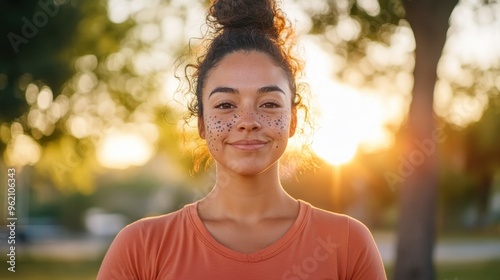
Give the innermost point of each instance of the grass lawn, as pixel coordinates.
(480, 271)
(30, 269)
(489, 270)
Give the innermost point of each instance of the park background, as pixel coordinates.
(92, 120)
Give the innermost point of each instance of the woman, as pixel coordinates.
(248, 227)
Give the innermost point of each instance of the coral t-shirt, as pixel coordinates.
(318, 245)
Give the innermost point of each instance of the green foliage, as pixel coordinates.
(483, 138)
(366, 28)
(90, 70)
(31, 51)
(41, 42)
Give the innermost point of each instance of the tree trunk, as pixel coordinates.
(418, 193)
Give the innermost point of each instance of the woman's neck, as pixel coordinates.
(247, 199)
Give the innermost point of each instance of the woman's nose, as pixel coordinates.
(248, 121)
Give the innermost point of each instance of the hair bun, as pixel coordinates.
(251, 14)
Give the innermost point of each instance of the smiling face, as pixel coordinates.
(247, 113)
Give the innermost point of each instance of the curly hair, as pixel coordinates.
(245, 25)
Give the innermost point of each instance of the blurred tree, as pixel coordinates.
(73, 72)
(32, 48)
(42, 40)
(367, 42)
(468, 162)
(482, 154)
(418, 195)
(43, 43)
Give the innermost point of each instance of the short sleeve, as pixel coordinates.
(121, 261)
(364, 261)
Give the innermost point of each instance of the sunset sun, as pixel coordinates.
(347, 119)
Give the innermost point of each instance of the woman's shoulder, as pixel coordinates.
(326, 216)
(328, 220)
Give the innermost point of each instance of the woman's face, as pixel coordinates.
(247, 113)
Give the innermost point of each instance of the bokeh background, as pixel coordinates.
(92, 118)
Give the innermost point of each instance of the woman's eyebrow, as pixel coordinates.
(223, 90)
(266, 89)
(270, 88)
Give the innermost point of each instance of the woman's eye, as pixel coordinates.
(225, 105)
(271, 105)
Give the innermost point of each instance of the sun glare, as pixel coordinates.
(121, 150)
(347, 118)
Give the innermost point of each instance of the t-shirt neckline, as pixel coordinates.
(270, 251)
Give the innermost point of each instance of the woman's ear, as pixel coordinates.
(293, 122)
(201, 127)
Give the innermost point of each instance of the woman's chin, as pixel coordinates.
(247, 170)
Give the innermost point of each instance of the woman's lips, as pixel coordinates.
(248, 145)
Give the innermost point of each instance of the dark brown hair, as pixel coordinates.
(245, 25)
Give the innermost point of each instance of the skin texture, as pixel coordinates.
(248, 118)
